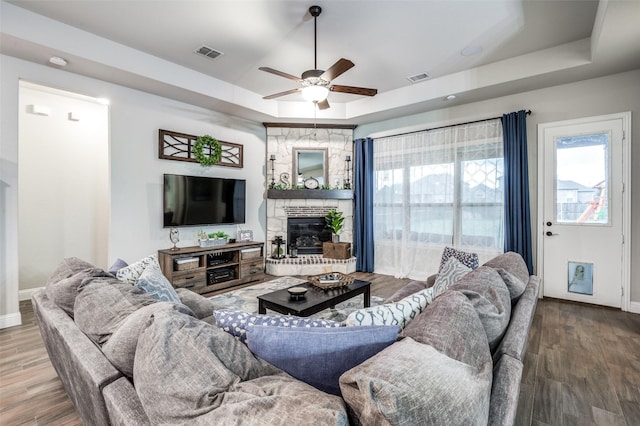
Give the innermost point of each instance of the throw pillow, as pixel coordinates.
(397, 313)
(468, 259)
(64, 291)
(237, 323)
(511, 262)
(319, 356)
(131, 273)
(103, 303)
(117, 265)
(515, 286)
(156, 284)
(490, 297)
(189, 372)
(451, 272)
(120, 349)
(68, 267)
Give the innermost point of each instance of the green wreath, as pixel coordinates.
(215, 149)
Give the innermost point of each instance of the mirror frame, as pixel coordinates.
(325, 164)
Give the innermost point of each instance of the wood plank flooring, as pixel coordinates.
(582, 367)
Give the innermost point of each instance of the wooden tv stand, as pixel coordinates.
(213, 268)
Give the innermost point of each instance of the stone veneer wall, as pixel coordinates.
(280, 142)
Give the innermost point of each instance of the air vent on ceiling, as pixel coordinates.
(208, 52)
(418, 77)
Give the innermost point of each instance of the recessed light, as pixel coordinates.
(471, 50)
(57, 60)
(450, 98)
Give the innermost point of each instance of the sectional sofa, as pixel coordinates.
(126, 359)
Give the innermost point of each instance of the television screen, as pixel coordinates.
(197, 200)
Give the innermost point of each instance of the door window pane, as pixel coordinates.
(582, 179)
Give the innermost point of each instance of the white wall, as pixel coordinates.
(63, 174)
(135, 172)
(605, 95)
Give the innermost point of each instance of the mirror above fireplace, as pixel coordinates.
(310, 164)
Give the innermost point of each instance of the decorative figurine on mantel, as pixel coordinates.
(174, 236)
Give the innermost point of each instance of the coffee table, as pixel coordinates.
(315, 300)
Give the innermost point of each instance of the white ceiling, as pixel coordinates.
(148, 45)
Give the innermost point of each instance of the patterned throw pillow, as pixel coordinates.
(153, 282)
(131, 273)
(236, 323)
(452, 271)
(397, 313)
(466, 258)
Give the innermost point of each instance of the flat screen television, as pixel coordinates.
(199, 200)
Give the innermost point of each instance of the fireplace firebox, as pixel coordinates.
(307, 234)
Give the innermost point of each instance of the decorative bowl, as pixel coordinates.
(297, 293)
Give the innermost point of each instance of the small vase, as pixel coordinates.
(335, 238)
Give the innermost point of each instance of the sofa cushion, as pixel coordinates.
(153, 281)
(189, 372)
(120, 349)
(62, 287)
(319, 356)
(451, 325)
(409, 289)
(511, 262)
(398, 313)
(131, 273)
(410, 383)
(513, 283)
(200, 305)
(490, 297)
(451, 272)
(103, 303)
(466, 258)
(237, 323)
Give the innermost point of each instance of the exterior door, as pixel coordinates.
(581, 241)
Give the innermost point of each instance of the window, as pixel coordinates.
(437, 188)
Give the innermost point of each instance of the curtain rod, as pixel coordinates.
(528, 112)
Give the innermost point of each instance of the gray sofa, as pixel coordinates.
(396, 386)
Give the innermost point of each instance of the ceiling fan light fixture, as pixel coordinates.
(315, 93)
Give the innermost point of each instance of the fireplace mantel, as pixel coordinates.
(318, 194)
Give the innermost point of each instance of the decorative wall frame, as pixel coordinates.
(179, 147)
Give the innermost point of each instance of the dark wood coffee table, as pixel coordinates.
(315, 299)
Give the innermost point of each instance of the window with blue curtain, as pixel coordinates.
(437, 188)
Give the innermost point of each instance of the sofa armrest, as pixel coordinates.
(80, 364)
(124, 405)
(505, 391)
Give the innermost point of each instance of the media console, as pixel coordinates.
(208, 269)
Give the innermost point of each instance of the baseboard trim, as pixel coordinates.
(10, 320)
(26, 294)
(634, 307)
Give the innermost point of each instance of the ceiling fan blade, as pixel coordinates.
(281, 74)
(337, 69)
(323, 104)
(277, 95)
(355, 90)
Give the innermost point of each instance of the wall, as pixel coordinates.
(63, 177)
(135, 172)
(605, 95)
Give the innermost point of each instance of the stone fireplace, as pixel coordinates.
(296, 207)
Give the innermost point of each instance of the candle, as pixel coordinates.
(273, 157)
(347, 158)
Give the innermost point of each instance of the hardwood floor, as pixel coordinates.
(582, 367)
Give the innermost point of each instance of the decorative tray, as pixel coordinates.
(332, 280)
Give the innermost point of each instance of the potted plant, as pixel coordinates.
(218, 238)
(334, 220)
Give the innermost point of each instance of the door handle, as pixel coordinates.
(549, 234)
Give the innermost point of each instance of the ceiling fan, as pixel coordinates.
(315, 83)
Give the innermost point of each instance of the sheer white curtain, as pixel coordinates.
(437, 188)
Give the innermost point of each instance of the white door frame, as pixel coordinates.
(626, 197)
